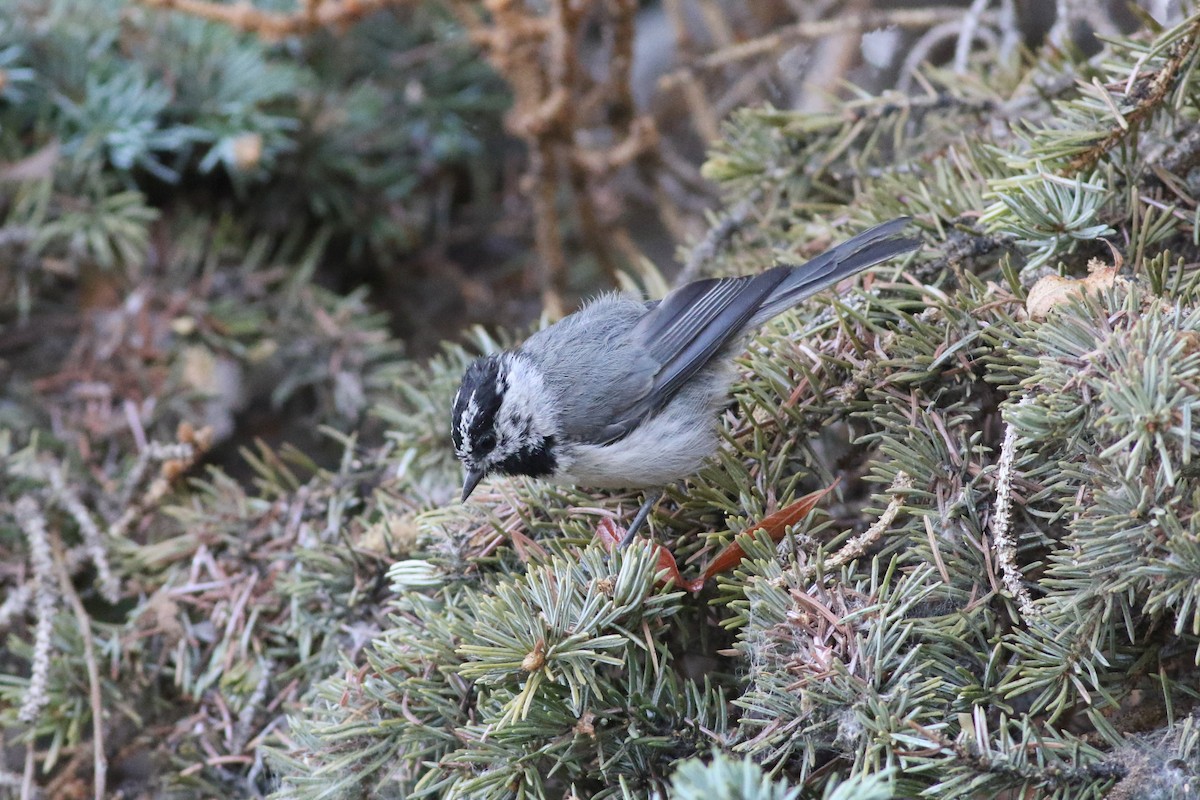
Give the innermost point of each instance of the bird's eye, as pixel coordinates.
(487, 441)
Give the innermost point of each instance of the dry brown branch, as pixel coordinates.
(718, 25)
(619, 88)
(1151, 91)
(311, 17)
(559, 107)
(704, 115)
(573, 100)
(556, 102)
(858, 546)
(816, 29)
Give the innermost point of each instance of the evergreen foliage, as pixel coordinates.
(1002, 597)
(113, 103)
(917, 657)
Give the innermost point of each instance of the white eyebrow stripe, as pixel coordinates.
(464, 421)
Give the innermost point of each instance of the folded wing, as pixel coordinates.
(693, 323)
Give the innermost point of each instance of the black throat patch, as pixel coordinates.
(535, 460)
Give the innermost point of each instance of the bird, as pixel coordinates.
(626, 393)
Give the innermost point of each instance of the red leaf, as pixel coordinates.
(775, 525)
(609, 534)
(526, 548)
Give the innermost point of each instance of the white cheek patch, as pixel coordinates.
(526, 411)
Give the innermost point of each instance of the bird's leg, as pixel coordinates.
(652, 497)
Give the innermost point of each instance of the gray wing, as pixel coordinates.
(670, 341)
(694, 322)
(867, 249)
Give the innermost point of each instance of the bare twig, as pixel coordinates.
(276, 25)
(99, 761)
(815, 29)
(966, 37)
(16, 603)
(856, 547)
(1010, 31)
(68, 500)
(921, 49)
(1002, 539)
(245, 718)
(28, 790)
(1152, 91)
(717, 237)
(176, 459)
(33, 524)
(555, 99)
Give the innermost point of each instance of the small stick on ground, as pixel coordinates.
(99, 761)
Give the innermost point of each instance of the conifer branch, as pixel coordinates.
(1149, 93)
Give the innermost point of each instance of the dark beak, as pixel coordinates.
(474, 476)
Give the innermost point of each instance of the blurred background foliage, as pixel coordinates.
(242, 251)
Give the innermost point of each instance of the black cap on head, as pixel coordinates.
(475, 407)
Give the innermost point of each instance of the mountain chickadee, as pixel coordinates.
(625, 393)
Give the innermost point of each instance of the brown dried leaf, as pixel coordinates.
(1053, 290)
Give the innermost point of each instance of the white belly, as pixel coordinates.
(660, 451)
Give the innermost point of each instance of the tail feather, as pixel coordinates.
(854, 255)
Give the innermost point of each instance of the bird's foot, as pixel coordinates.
(640, 518)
